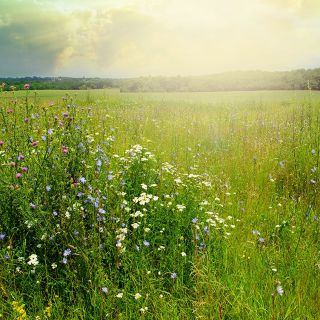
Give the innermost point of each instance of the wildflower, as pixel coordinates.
(280, 290)
(20, 157)
(48, 188)
(144, 186)
(183, 254)
(261, 240)
(135, 225)
(32, 205)
(50, 131)
(194, 220)
(24, 169)
(255, 232)
(82, 180)
(2, 236)
(137, 296)
(119, 295)
(104, 290)
(35, 143)
(55, 213)
(65, 149)
(33, 260)
(1, 142)
(143, 310)
(26, 86)
(53, 265)
(18, 175)
(67, 252)
(173, 275)
(146, 243)
(180, 207)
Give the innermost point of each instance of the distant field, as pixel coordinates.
(159, 205)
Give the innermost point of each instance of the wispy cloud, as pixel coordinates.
(131, 37)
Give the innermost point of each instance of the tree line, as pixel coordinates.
(301, 79)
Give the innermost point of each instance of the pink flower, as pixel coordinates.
(24, 169)
(18, 175)
(26, 120)
(65, 149)
(1, 142)
(26, 86)
(35, 143)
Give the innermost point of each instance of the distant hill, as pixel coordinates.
(301, 79)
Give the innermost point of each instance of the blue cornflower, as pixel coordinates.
(44, 138)
(82, 180)
(146, 243)
(67, 252)
(173, 275)
(194, 220)
(280, 290)
(2, 236)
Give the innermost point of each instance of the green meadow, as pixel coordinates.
(159, 205)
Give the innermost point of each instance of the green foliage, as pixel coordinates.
(153, 206)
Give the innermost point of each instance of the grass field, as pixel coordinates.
(159, 205)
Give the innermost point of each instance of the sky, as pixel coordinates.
(127, 38)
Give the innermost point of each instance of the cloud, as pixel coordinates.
(31, 37)
(140, 37)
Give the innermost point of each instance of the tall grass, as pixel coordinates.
(159, 206)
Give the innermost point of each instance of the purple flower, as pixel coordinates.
(55, 213)
(50, 131)
(173, 275)
(67, 252)
(146, 243)
(194, 220)
(2, 236)
(32, 205)
(44, 138)
(20, 157)
(110, 177)
(261, 240)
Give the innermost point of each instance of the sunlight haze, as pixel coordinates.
(157, 37)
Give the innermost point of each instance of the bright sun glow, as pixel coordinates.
(157, 37)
